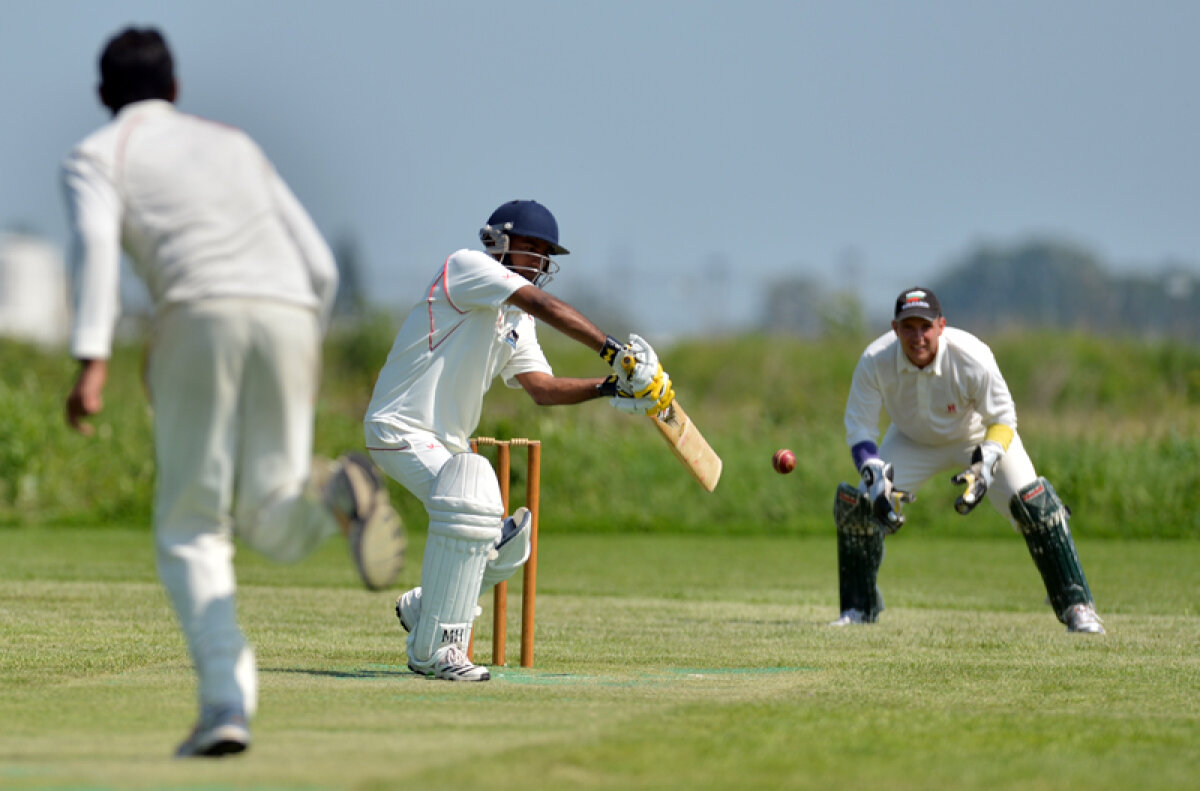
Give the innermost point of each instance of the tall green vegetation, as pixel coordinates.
(1114, 424)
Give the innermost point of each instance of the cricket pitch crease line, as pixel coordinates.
(531, 676)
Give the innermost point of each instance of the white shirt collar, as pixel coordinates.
(903, 364)
(146, 105)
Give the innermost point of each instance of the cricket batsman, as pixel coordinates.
(476, 320)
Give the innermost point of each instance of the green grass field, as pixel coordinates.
(663, 662)
(680, 635)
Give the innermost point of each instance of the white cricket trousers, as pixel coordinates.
(915, 464)
(413, 458)
(233, 383)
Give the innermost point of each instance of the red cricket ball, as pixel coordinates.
(784, 461)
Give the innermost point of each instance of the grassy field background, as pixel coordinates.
(680, 634)
(1115, 425)
(662, 662)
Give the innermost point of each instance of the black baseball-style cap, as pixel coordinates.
(917, 301)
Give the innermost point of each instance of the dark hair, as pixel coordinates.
(136, 64)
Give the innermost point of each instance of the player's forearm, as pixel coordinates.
(546, 390)
(559, 315)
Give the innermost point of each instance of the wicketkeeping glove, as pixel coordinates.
(978, 477)
(885, 499)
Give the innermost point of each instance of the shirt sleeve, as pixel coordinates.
(992, 398)
(528, 356)
(864, 404)
(313, 250)
(475, 280)
(94, 218)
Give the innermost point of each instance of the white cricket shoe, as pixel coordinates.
(450, 663)
(357, 496)
(221, 730)
(1083, 618)
(848, 617)
(408, 608)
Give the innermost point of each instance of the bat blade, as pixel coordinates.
(689, 445)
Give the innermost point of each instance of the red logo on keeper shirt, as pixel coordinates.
(951, 408)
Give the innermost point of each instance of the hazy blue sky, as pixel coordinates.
(692, 151)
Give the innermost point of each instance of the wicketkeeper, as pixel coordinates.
(950, 409)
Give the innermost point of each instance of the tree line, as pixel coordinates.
(1036, 284)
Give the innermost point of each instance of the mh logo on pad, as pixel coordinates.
(454, 634)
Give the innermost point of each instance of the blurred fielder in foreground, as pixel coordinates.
(474, 322)
(950, 409)
(242, 285)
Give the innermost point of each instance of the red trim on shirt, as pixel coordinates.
(119, 150)
(442, 278)
(446, 285)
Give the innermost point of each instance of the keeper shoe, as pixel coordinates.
(450, 663)
(221, 730)
(357, 496)
(408, 608)
(1083, 618)
(848, 617)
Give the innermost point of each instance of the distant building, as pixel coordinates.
(33, 290)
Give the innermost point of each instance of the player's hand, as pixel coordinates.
(637, 367)
(663, 393)
(885, 499)
(978, 477)
(87, 395)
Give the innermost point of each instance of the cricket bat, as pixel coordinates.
(689, 445)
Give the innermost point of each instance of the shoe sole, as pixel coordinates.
(1091, 629)
(224, 747)
(233, 740)
(377, 539)
(379, 544)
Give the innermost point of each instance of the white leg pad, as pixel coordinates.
(465, 511)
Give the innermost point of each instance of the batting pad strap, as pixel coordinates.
(510, 554)
(1001, 434)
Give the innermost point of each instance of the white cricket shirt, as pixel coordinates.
(951, 400)
(451, 346)
(201, 213)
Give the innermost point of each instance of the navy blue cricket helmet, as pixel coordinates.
(522, 218)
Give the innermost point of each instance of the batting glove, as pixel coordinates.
(654, 402)
(637, 367)
(977, 477)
